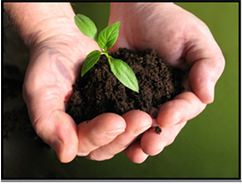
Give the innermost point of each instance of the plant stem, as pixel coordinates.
(108, 57)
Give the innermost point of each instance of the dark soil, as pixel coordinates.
(99, 91)
(158, 130)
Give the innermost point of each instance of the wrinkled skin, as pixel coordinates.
(180, 38)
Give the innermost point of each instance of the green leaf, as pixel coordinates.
(90, 61)
(108, 36)
(86, 26)
(124, 74)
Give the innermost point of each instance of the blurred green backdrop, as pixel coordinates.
(207, 147)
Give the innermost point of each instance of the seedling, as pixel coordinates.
(106, 39)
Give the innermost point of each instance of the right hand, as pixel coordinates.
(55, 60)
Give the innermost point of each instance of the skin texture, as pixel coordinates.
(58, 49)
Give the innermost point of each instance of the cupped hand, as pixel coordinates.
(55, 60)
(184, 41)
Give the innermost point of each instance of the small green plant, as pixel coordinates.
(106, 39)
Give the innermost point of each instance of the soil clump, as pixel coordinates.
(99, 91)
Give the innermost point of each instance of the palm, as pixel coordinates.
(149, 26)
(53, 68)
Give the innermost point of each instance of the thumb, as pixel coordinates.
(52, 124)
(207, 63)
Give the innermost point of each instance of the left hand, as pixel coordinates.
(183, 41)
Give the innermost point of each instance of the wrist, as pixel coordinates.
(38, 21)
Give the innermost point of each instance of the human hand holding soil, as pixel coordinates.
(183, 41)
(57, 49)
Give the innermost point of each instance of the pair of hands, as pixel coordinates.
(180, 38)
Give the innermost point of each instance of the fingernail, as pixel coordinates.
(211, 92)
(114, 133)
(140, 130)
(177, 121)
(168, 124)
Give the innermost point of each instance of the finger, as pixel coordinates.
(62, 136)
(135, 153)
(153, 143)
(207, 61)
(52, 124)
(98, 132)
(137, 122)
(183, 107)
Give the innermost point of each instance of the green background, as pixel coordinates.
(207, 147)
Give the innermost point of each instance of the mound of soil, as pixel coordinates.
(99, 91)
